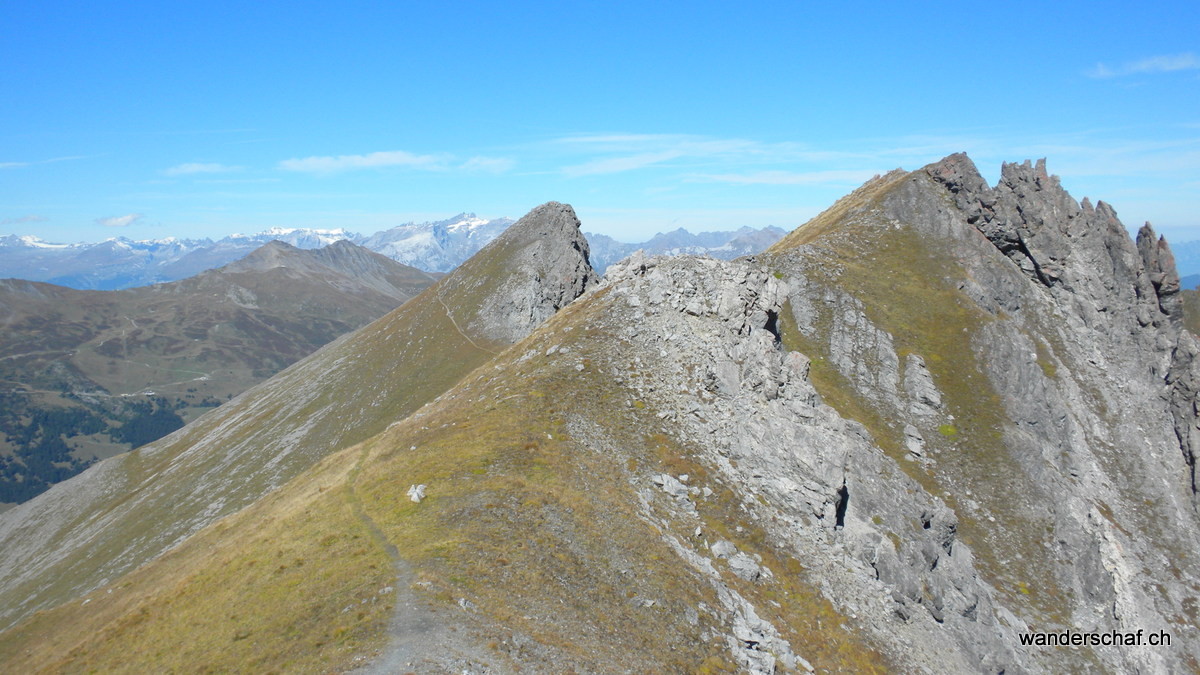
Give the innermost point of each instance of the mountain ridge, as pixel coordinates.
(937, 418)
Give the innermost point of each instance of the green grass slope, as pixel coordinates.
(131, 508)
(534, 548)
(1191, 310)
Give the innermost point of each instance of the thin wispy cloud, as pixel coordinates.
(619, 164)
(851, 176)
(648, 145)
(374, 160)
(488, 164)
(1167, 63)
(24, 219)
(192, 168)
(120, 221)
(52, 160)
(68, 158)
(617, 152)
(238, 192)
(608, 139)
(691, 145)
(819, 174)
(237, 181)
(191, 132)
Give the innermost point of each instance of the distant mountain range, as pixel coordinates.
(107, 346)
(120, 263)
(440, 246)
(723, 245)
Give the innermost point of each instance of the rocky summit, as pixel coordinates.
(521, 279)
(935, 429)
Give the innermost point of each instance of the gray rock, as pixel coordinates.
(913, 441)
(1076, 352)
(925, 398)
(1159, 266)
(745, 567)
(723, 245)
(723, 549)
(671, 486)
(416, 493)
(545, 259)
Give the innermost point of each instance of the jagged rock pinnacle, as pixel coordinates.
(1159, 264)
(544, 262)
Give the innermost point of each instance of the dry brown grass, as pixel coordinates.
(261, 591)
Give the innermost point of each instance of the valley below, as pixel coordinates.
(85, 375)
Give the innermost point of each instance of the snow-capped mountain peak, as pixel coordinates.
(440, 246)
(35, 242)
(467, 221)
(437, 246)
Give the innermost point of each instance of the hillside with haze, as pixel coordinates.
(89, 374)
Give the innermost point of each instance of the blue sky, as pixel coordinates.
(198, 119)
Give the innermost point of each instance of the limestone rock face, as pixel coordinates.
(543, 258)
(1159, 265)
(1041, 434)
(1123, 295)
(725, 382)
(1073, 355)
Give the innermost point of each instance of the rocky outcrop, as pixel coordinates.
(1184, 382)
(723, 245)
(1031, 452)
(1159, 266)
(520, 279)
(1075, 341)
(1126, 294)
(727, 384)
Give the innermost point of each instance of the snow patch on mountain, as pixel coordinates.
(32, 242)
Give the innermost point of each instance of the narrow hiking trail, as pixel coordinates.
(416, 636)
(460, 330)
